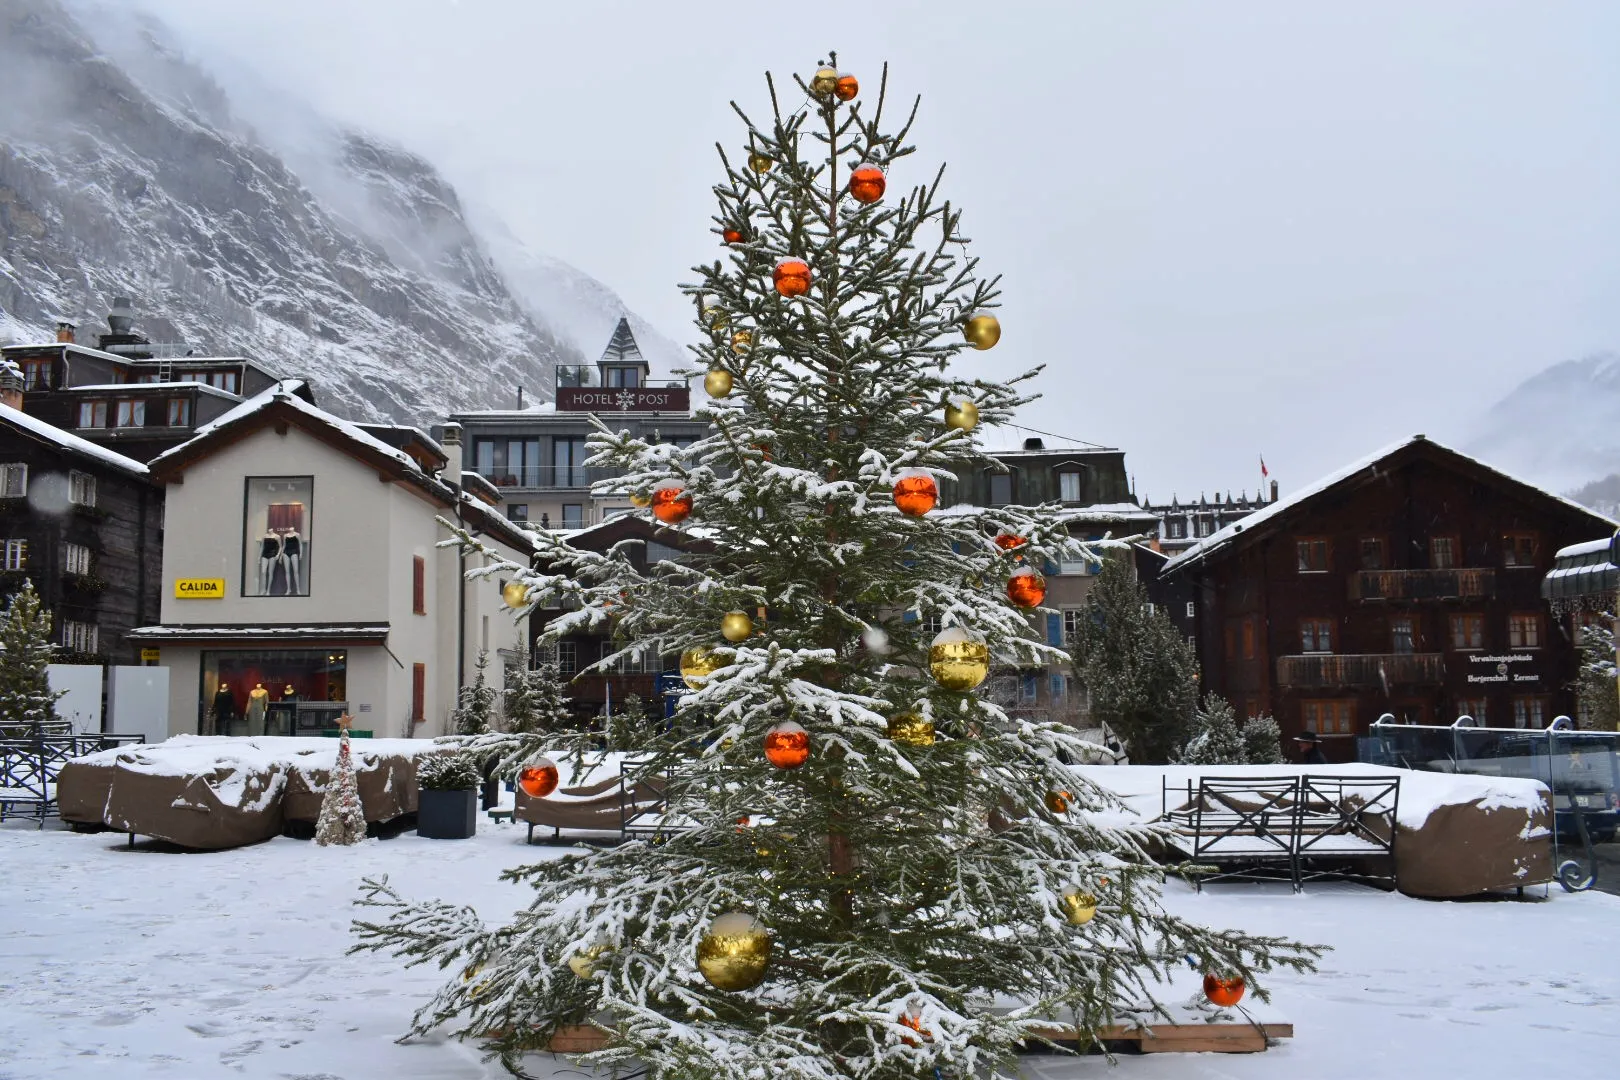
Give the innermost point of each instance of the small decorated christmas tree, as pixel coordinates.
(343, 819)
(26, 697)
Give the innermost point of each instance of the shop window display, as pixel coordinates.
(272, 691)
(276, 532)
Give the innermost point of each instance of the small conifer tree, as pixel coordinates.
(1262, 740)
(627, 724)
(26, 697)
(1215, 738)
(475, 707)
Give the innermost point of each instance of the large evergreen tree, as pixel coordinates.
(899, 921)
(26, 697)
(1142, 675)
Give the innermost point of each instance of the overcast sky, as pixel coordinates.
(1300, 230)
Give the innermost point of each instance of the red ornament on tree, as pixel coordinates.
(670, 503)
(732, 236)
(1008, 541)
(1026, 588)
(866, 183)
(1224, 992)
(539, 780)
(792, 277)
(787, 745)
(916, 494)
(846, 87)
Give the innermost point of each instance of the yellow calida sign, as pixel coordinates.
(199, 588)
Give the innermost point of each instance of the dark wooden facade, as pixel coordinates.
(1035, 475)
(1410, 586)
(122, 531)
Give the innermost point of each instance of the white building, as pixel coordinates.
(302, 576)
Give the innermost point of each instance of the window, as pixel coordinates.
(78, 636)
(13, 481)
(1001, 489)
(1474, 707)
(1582, 622)
(1029, 689)
(1529, 712)
(573, 515)
(1313, 556)
(1069, 563)
(1069, 487)
(13, 554)
(1316, 635)
(219, 380)
(92, 414)
(1059, 689)
(418, 693)
(618, 377)
(518, 512)
(179, 412)
(1468, 631)
(76, 559)
(1204, 526)
(1524, 631)
(276, 533)
(1372, 553)
(1519, 549)
(1400, 634)
(1442, 552)
(568, 456)
(1248, 638)
(1071, 625)
(1330, 717)
(567, 657)
(81, 489)
(418, 585)
(1176, 529)
(130, 414)
(1190, 609)
(36, 374)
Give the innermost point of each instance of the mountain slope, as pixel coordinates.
(125, 171)
(1560, 428)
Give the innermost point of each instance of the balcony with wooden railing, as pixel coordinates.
(1474, 583)
(1329, 670)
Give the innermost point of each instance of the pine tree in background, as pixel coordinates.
(1595, 687)
(1142, 675)
(1215, 738)
(536, 702)
(840, 905)
(1262, 740)
(475, 706)
(629, 726)
(343, 819)
(26, 697)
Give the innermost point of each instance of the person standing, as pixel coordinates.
(1309, 748)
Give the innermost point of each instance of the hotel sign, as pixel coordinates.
(1501, 669)
(199, 588)
(623, 399)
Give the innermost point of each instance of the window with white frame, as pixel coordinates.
(13, 480)
(567, 657)
(81, 489)
(92, 414)
(1069, 487)
(76, 559)
(130, 414)
(13, 554)
(1071, 624)
(79, 636)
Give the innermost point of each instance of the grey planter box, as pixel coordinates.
(447, 815)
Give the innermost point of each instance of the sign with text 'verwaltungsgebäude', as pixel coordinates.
(1500, 668)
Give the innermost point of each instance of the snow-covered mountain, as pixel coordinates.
(125, 169)
(1559, 428)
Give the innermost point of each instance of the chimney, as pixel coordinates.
(64, 333)
(1274, 491)
(121, 319)
(451, 441)
(520, 399)
(11, 385)
(1034, 444)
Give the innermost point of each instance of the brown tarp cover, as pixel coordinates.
(596, 807)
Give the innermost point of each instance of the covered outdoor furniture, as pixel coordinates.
(617, 804)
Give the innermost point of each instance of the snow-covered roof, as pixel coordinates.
(68, 441)
(1225, 535)
(186, 384)
(1000, 439)
(328, 632)
(1587, 547)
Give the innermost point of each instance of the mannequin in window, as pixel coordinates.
(224, 710)
(269, 555)
(292, 551)
(258, 701)
(289, 693)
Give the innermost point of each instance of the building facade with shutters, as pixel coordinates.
(1407, 583)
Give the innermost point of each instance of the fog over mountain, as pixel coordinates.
(1559, 428)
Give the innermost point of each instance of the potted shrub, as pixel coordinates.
(447, 796)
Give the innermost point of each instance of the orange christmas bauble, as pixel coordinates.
(732, 236)
(792, 277)
(866, 183)
(1026, 588)
(916, 494)
(787, 745)
(670, 503)
(1008, 541)
(1058, 801)
(1224, 992)
(915, 1024)
(846, 87)
(539, 780)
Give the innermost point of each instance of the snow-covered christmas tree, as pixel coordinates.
(26, 697)
(535, 701)
(832, 899)
(475, 704)
(343, 819)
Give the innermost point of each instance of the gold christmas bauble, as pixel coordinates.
(699, 662)
(759, 162)
(714, 317)
(717, 383)
(982, 330)
(736, 626)
(1079, 907)
(734, 953)
(961, 415)
(583, 963)
(823, 82)
(910, 729)
(515, 594)
(741, 341)
(639, 500)
(957, 660)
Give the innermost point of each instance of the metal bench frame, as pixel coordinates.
(30, 765)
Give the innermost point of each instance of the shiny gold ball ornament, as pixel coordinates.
(759, 162)
(958, 660)
(787, 745)
(1079, 907)
(640, 501)
(982, 330)
(847, 86)
(962, 415)
(583, 963)
(717, 383)
(714, 317)
(736, 626)
(734, 953)
(514, 594)
(698, 663)
(824, 82)
(911, 729)
(742, 341)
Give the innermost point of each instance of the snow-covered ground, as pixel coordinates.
(148, 963)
